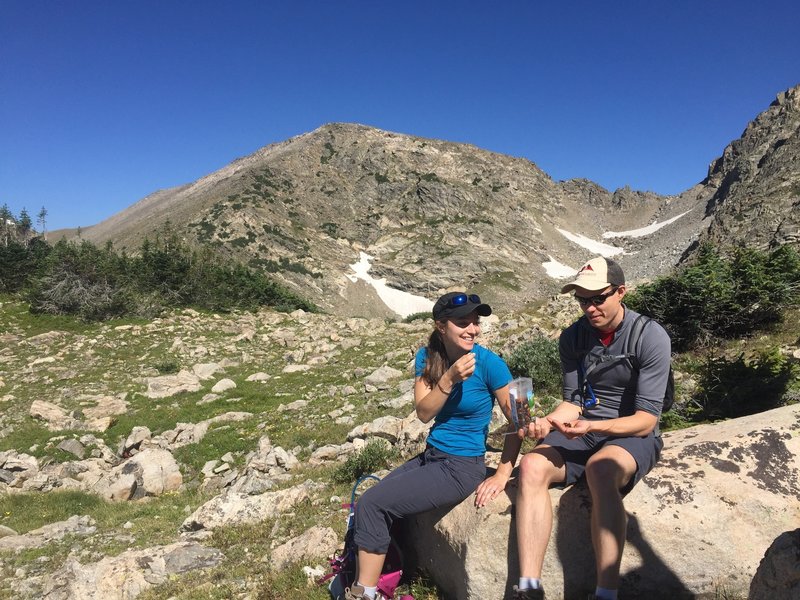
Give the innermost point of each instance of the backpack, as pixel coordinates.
(344, 562)
(631, 351)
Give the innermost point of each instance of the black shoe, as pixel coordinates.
(528, 594)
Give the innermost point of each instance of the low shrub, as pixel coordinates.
(539, 360)
(419, 316)
(372, 457)
(739, 387)
(99, 283)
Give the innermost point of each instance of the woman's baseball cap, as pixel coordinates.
(459, 304)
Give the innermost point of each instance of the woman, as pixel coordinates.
(456, 382)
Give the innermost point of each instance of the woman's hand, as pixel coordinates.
(462, 369)
(489, 489)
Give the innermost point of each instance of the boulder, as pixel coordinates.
(105, 406)
(170, 385)
(135, 438)
(223, 385)
(381, 377)
(700, 521)
(406, 399)
(205, 370)
(72, 446)
(16, 468)
(192, 433)
(260, 376)
(778, 575)
(74, 526)
(316, 542)
(56, 417)
(331, 452)
(151, 472)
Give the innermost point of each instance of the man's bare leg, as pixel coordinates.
(606, 472)
(534, 511)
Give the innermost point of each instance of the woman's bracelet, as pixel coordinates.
(441, 389)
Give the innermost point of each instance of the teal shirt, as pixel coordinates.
(462, 425)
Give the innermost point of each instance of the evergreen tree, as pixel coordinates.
(41, 219)
(6, 224)
(24, 223)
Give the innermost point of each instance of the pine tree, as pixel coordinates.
(24, 223)
(6, 224)
(41, 219)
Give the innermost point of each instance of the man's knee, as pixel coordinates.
(535, 470)
(608, 472)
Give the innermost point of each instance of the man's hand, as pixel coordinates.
(572, 429)
(538, 428)
(489, 489)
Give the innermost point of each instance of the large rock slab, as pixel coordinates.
(55, 417)
(74, 526)
(166, 386)
(126, 576)
(232, 508)
(314, 543)
(16, 468)
(700, 521)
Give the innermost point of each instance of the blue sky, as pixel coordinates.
(102, 103)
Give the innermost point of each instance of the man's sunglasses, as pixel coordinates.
(596, 300)
(462, 299)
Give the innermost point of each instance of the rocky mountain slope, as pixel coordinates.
(757, 180)
(435, 214)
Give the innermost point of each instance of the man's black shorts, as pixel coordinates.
(577, 451)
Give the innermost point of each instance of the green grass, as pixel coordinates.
(152, 520)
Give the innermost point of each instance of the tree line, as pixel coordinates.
(98, 283)
(20, 227)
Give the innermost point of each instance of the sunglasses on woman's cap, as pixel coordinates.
(459, 304)
(462, 299)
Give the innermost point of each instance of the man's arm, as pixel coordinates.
(654, 363)
(639, 424)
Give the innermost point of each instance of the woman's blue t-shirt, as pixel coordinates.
(462, 425)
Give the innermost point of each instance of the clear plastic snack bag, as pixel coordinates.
(521, 392)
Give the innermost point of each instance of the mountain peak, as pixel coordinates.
(437, 215)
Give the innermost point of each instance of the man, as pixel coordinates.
(606, 427)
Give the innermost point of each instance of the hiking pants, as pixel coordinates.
(427, 481)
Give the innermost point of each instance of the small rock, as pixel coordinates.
(73, 447)
(258, 377)
(223, 385)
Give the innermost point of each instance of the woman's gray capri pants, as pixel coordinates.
(427, 481)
